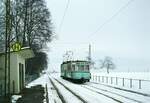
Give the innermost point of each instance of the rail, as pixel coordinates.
(46, 90)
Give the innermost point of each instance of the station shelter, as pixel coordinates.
(17, 69)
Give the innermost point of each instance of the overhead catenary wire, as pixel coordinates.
(63, 18)
(111, 18)
(100, 27)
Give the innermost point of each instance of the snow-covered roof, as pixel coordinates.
(25, 52)
(74, 61)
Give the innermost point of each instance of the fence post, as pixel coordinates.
(93, 77)
(111, 80)
(99, 78)
(123, 82)
(130, 83)
(96, 78)
(139, 84)
(107, 79)
(116, 81)
(103, 79)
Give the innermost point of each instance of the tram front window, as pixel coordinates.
(81, 67)
(73, 67)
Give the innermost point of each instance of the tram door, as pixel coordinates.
(21, 76)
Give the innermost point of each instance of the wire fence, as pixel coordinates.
(125, 82)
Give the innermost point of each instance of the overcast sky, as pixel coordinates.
(116, 28)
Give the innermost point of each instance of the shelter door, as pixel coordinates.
(21, 76)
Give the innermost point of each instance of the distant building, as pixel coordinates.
(17, 69)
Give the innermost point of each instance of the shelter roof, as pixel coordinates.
(25, 52)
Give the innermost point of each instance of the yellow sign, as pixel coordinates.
(16, 47)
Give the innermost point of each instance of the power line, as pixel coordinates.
(75, 43)
(61, 23)
(112, 17)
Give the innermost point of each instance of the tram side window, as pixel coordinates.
(69, 67)
(81, 67)
(76, 68)
(65, 67)
(73, 67)
(87, 68)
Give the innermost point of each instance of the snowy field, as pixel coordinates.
(95, 91)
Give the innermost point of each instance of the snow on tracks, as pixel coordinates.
(72, 92)
(112, 95)
(90, 96)
(137, 97)
(140, 93)
(65, 94)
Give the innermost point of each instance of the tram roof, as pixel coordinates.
(73, 61)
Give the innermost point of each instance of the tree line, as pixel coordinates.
(31, 26)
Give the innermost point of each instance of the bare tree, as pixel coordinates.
(107, 63)
(2, 26)
(30, 24)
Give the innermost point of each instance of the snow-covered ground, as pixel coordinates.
(87, 95)
(43, 80)
(137, 81)
(93, 91)
(125, 96)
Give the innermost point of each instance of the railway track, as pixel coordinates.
(104, 90)
(110, 92)
(104, 95)
(126, 90)
(61, 96)
(114, 99)
(57, 90)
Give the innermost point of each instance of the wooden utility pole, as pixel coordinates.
(7, 46)
(90, 52)
(9, 43)
(89, 57)
(25, 22)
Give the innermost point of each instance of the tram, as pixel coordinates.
(78, 70)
